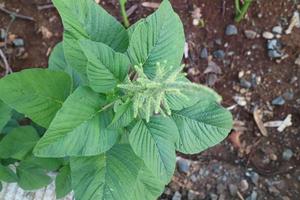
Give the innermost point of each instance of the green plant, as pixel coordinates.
(111, 110)
(241, 8)
(123, 12)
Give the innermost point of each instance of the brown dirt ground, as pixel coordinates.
(276, 79)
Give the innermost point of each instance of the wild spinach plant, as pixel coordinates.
(110, 111)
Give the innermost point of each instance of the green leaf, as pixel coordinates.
(158, 38)
(63, 182)
(5, 114)
(49, 164)
(57, 62)
(18, 143)
(84, 19)
(148, 186)
(32, 177)
(154, 143)
(79, 128)
(123, 116)
(7, 175)
(201, 126)
(109, 176)
(37, 93)
(106, 68)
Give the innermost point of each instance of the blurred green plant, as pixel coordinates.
(241, 8)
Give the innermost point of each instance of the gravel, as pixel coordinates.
(18, 42)
(277, 29)
(177, 196)
(244, 185)
(250, 34)
(231, 30)
(220, 54)
(268, 35)
(183, 165)
(278, 101)
(233, 189)
(204, 53)
(287, 154)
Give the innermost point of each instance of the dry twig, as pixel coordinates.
(7, 67)
(13, 14)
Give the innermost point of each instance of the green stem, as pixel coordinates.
(242, 11)
(124, 14)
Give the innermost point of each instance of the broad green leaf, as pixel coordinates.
(32, 177)
(158, 38)
(123, 116)
(79, 128)
(201, 126)
(37, 93)
(7, 175)
(147, 186)
(57, 62)
(84, 19)
(106, 68)
(63, 182)
(18, 143)
(49, 164)
(109, 176)
(131, 29)
(154, 143)
(5, 114)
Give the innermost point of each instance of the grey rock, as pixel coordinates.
(254, 178)
(297, 61)
(183, 165)
(253, 196)
(274, 54)
(244, 185)
(218, 41)
(245, 84)
(287, 154)
(233, 189)
(18, 42)
(273, 190)
(192, 195)
(268, 35)
(288, 95)
(221, 188)
(277, 29)
(213, 196)
(231, 30)
(193, 178)
(220, 54)
(204, 53)
(250, 34)
(279, 101)
(274, 44)
(177, 196)
(2, 34)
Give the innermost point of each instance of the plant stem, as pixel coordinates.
(242, 11)
(124, 14)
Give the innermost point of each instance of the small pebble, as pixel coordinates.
(177, 196)
(213, 196)
(254, 178)
(204, 53)
(233, 189)
(287, 154)
(279, 101)
(274, 54)
(245, 84)
(218, 41)
(250, 34)
(277, 29)
(268, 35)
(192, 195)
(221, 188)
(2, 34)
(231, 30)
(288, 95)
(244, 185)
(273, 190)
(253, 196)
(274, 44)
(18, 42)
(220, 54)
(183, 165)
